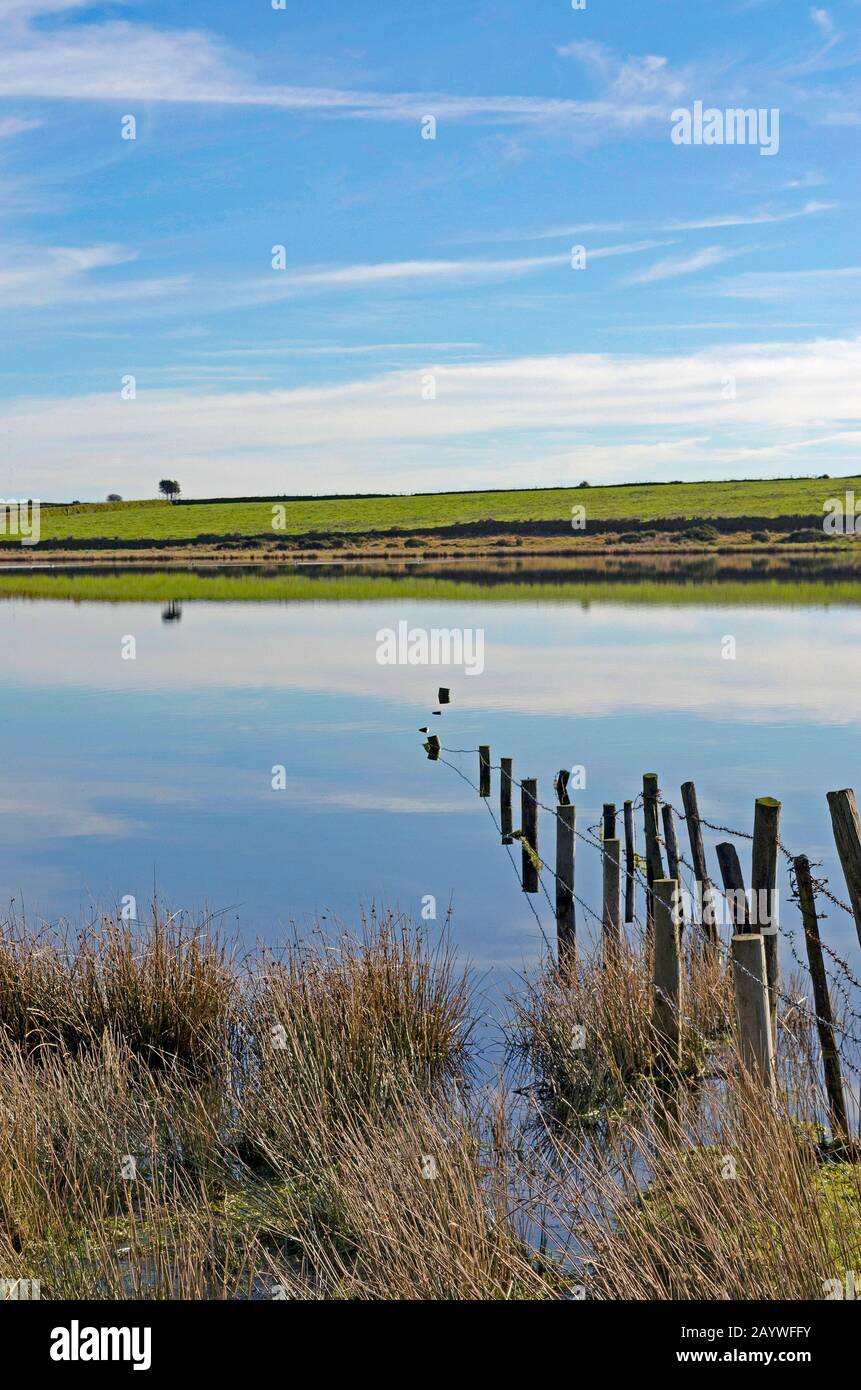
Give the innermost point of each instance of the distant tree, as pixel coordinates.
(114, 497)
(169, 488)
(584, 484)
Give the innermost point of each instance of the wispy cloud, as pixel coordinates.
(17, 125)
(52, 276)
(755, 219)
(673, 266)
(112, 60)
(779, 284)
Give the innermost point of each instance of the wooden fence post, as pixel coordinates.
(821, 1000)
(750, 985)
(630, 862)
(484, 769)
(565, 924)
(612, 921)
(654, 863)
(561, 785)
(672, 845)
(706, 904)
(667, 974)
(733, 885)
(763, 882)
(506, 825)
(529, 833)
(847, 836)
(432, 748)
(608, 831)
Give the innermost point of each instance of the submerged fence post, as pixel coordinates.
(763, 882)
(733, 886)
(484, 769)
(654, 863)
(821, 1000)
(612, 922)
(750, 985)
(506, 825)
(847, 836)
(705, 893)
(565, 925)
(529, 833)
(667, 974)
(630, 861)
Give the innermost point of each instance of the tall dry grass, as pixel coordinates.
(729, 1199)
(583, 1037)
(166, 989)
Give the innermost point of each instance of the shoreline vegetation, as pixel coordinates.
(761, 516)
(320, 1122)
(725, 580)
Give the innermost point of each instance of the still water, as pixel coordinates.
(128, 776)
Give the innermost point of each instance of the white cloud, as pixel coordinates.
(523, 420)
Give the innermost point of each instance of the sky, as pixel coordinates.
(499, 266)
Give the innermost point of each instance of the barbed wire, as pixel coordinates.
(590, 838)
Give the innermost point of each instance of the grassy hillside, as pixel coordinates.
(643, 502)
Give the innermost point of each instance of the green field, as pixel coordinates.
(636, 502)
(160, 587)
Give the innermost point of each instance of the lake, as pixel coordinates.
(128, 775)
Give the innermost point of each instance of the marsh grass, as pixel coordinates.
(167, 989)
(728, 1201)
(585, 1035)
(428, 1206)
(307, 1124)
(240, 1095)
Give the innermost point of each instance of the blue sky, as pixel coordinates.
(428, 330)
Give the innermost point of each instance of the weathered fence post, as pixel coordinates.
(654, 863)
(612, 923)
(561, 785)
(608, 816)
(484, 769)
(529, 833)
(667, 974)
(733, 886)
(432, 748)
(821, 1000)
(847, 836)
(763, 882)
(705, 892)
(750, 985)
(506, 825)
(672, 845)
(630, 861)
(565, 925)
